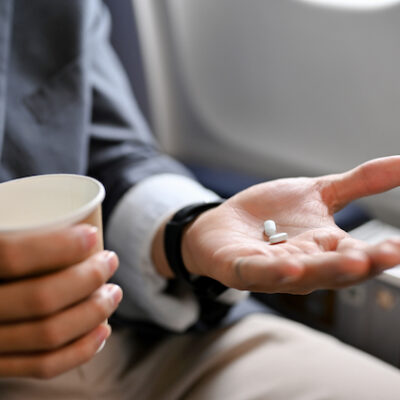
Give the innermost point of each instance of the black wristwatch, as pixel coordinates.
(202, 286)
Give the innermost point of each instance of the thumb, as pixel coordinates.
(372, 177)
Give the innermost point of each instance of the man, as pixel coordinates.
(66, 107)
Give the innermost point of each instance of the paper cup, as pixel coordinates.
(49, 202)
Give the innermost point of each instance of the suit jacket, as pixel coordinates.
(65, 102)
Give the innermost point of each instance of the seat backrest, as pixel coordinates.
(277, 87)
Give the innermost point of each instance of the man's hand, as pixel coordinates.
(53, 301)
(227, 243)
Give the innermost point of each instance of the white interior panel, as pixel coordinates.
(275, 87)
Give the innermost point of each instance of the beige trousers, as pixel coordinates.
(260, 357)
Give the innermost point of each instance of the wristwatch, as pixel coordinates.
(202, 286)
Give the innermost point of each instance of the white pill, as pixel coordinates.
(269, 227)
(278, 238)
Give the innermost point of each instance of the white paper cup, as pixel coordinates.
(49, 202)
(44, 203)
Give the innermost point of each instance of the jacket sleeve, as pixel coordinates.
(122, 149)
(143, 186)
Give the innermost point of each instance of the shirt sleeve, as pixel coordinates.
(130, 232)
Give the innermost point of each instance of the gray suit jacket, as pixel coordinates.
(65, 102)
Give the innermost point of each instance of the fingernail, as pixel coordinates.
(103, 336)
(115, 292)
(103, 343)
(111, 259)
(88, 234)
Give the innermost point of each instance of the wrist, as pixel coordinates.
(158, 255)
(177, 246)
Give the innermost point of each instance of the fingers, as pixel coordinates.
(300, 274)
(31, 254)
(56, 331)
(354, 262)
(260, 273)
(333, 270)
(47, 294)
(383, 255)
(50, 364)
(370, 178)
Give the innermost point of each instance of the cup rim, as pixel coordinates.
(64, 220)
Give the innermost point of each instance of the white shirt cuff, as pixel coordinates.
(130, 232)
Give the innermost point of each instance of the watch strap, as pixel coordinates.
(202, 286)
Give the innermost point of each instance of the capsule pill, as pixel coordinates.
(269, 227)
(278, 238)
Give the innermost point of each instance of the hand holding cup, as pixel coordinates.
(53, 293)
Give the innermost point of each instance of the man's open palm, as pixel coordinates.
(228, 243)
